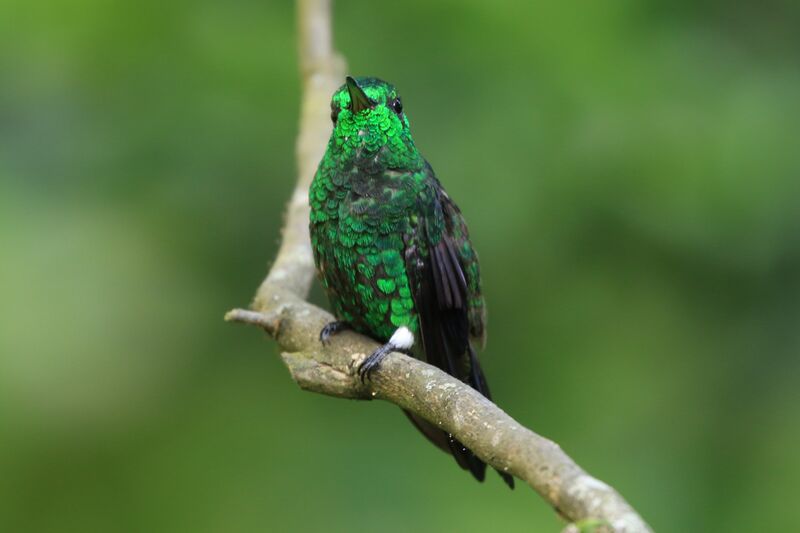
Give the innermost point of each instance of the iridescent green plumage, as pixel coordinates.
(391, 248)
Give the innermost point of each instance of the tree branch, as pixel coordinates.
(280, 309)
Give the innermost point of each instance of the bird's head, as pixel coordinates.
(367, 115)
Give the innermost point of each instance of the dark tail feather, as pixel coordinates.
(446, 442)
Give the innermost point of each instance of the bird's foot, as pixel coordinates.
(368, 366)
(401, 341)
(332, 329)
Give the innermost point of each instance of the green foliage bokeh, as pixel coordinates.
(630, 172)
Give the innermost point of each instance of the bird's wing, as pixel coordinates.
(467, 260)
(445, 284)
(445, 277)
(438, 285)
(439, 289)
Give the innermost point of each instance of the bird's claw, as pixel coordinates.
(370, 364)
(331, 329)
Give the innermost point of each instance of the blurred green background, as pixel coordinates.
(631, 175)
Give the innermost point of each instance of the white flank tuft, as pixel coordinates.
(402, 339)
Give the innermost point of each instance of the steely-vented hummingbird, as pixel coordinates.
(392, 249)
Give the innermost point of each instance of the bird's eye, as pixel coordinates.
(397, 105)
(334, 114)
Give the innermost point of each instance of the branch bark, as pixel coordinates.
(279, 307)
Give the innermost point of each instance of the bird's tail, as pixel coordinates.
(448, 443)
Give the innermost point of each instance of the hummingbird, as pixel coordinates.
(392, 249)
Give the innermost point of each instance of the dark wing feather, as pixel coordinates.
(463, 255)
(442, 297)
